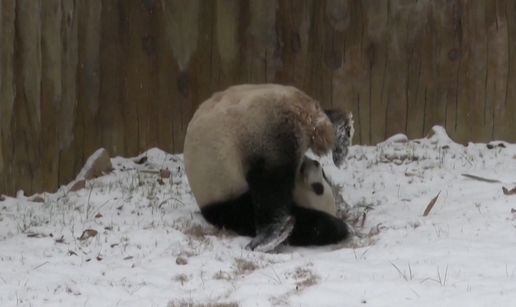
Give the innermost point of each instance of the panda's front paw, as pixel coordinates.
(268, 240)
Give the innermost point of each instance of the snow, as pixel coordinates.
(152, 247)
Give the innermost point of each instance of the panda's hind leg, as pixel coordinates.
(271, 189)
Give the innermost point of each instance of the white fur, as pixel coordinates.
(304, 195)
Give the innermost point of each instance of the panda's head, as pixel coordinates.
(313, 189)
(344, 130)
(313, 175)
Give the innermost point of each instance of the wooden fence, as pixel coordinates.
(127, 75)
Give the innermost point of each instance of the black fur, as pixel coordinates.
(315, 227)
(262, 208)
(311, 227)
(236, 215)
(318, 188)
(271, 189)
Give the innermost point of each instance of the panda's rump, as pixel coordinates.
(212, 163)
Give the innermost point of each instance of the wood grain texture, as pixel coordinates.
(27, 112)
(50, 91)
(69, 158)
(77, 75)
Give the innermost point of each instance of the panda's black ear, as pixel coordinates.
(318, 188)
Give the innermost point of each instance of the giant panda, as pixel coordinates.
(243, 149)
(314, 196)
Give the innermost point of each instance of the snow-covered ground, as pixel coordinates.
(131, 238)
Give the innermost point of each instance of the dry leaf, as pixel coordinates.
(160, 182)
(445, 147)
(408, 174)
(60, 240)
(99, 258)
(364, 215)
(128, 258)
(181, 261)
(98, 216)
(507, 192)
(431, 204)
(88, 233)
(165, 173)
(78, 186)
(120, 208)
(480, 178)
(70, 253)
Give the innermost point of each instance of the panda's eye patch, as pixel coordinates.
(316, 163)
(318, 188)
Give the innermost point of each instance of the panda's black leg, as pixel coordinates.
(271, 190)
(315, 227)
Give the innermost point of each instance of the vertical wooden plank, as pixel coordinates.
(395, 87)
(510, 13)
(333, 16)
(163, 71)
(453, 59)
(182, 29)
(68, 163)
(263, 40)
(119, 89)
(375, 48)
(293, 24)
(141, 14)
(171, 110)
(243, 72)
(419, 40)
(225, 53)
(50, 90)
(350, 81)
(440, 97)
(314, 59)
(201, 63)
(339, 14)
(301, 12)
(135, 64)
(470, 112)
(87, 124)
(7, 92)
(2, 184)
(499, 62)
(27, 149)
